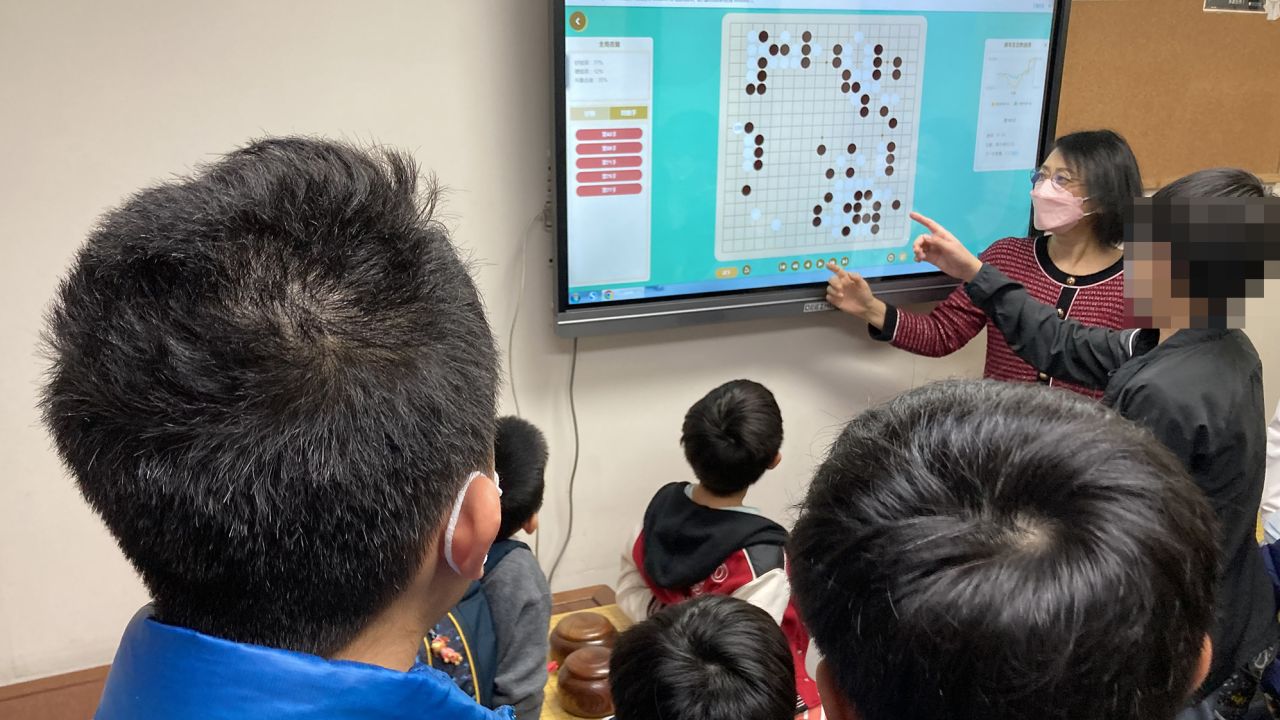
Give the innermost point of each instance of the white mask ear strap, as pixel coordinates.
(453, 521)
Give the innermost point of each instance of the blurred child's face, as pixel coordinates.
(1148, 285)
(1191, 263)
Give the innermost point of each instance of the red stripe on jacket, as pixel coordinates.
(733, 573)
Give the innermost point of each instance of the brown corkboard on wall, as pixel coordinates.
(1189, 89)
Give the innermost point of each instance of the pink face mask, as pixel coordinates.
(1056, 210)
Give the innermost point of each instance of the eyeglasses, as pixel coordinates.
(1060, 180)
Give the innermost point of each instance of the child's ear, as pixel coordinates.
(531, 525)
(835, 706)
(1202, 665)
(469, 537)
(777, 459)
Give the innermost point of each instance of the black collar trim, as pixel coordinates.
(1054, 273)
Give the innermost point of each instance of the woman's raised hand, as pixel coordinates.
(941, 249)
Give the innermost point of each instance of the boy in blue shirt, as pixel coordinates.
(275, 383)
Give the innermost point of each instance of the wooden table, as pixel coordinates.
(585, 598)
(551, 709)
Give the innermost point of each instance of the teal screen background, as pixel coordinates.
(979, 208)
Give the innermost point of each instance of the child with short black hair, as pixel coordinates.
(1194, 252)
(711, 658)
(700, 539)
(520, 456)
(505, 615)
(999, 551)
(255, 383)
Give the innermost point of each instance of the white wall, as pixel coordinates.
(100, 99)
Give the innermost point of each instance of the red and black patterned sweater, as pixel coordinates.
(1096, 299)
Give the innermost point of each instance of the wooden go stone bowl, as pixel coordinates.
(579, 630)
(584, 682)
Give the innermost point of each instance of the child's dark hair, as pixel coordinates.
(732, 435)
(520, 457)
(1222, 231)
(1214, 183)
(1002, 551)
(270, 379)
(710, 658)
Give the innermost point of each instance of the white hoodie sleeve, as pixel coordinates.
(770, 592)
(1271, 490)
(633, 597)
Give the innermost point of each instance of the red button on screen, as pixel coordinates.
(606, 190)
(596, 163)
(619, 148)
(609, 134)
(609, 176)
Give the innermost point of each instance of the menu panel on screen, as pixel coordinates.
(722, 147)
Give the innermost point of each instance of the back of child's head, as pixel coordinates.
(1005, 552)
(732, 435)
(242, 361)
(1214, 183)
(520, 457)
(710, 658)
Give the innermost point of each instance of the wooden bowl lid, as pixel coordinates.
(589, 663)
(585, 627)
